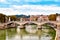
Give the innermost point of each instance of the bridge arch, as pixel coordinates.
(29, 24)
(10, 25)
(52, 29)
(51, 24)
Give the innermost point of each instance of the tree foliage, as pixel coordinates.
(52, 17)
(13, 18)
(2, 18)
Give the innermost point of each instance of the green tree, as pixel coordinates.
(13, 18)
(52, 17)
(2, 18)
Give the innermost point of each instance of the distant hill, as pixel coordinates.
(57, 14)
(22, 16)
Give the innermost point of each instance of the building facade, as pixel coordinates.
(43, 18)
(58, 18)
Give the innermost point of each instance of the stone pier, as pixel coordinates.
(58, 32)
(39, 26)
(21, 27)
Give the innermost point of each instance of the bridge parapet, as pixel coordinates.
(58, 31)
(38, 23)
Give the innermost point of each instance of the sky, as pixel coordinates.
(29, 7)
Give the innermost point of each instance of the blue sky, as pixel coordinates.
(8, 3)
(28, 7)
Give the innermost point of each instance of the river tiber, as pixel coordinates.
(30, 28)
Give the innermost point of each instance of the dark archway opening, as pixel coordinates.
(11, 25)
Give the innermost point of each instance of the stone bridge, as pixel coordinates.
(56, 25)
(37, 23)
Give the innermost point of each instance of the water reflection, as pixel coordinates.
(18, 29)
(31, 28)
(22, 34)
(2, 35)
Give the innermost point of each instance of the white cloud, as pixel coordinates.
(8, 11)
(3, 1)
(31, 10)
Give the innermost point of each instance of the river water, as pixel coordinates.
(22, 34)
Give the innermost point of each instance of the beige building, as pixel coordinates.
(58, 18)
(43, 18)
(33, 18)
